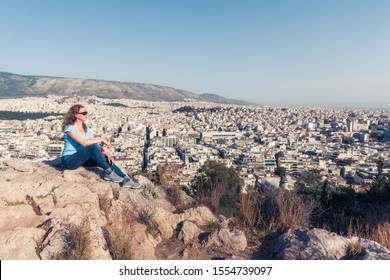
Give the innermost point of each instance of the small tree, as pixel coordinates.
(281, 172)
(315, 178)
(381, 185)
(326, 195)
(218, 187)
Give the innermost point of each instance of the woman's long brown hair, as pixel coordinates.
(70, 117)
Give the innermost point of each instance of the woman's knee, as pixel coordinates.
(95, 147)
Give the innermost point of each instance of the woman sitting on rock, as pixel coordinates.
(82, 149)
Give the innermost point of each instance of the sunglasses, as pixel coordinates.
(83, 113)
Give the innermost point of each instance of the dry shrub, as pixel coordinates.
(375, 230)
(380, 233)
(211, 196)
(167, 173)
(218, 189)
(119, 234)
(249, 208)
(213, 225)
(281, 209)
(77, 242)
(105, 204)
(354, 251)
(145, 216)
(199, 191)
(175, 197)
(118, 238)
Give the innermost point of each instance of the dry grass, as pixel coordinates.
(212, 196)
(118, 238)
(213, 225)
(77, 242)
(250, 211)
(105, 204)
(145, 216)
(218, 189)
(375, 230)
(354, 251)
(282, 210)
(249, 208)
(380, 233)
(175, 197)
(119, 235)
(199, 191)
(167, 174)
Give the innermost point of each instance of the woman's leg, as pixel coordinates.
(92, 163)
(78, 159)
(118, 171)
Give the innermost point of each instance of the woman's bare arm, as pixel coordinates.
(89, 142)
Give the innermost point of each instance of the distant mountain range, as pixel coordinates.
(13, 85)
(219, 99)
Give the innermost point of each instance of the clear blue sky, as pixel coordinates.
(314, 52)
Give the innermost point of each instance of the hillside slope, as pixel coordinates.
(13, 85)
(50, 213)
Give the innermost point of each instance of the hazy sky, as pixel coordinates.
(315, 52)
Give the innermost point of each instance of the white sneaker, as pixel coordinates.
(113, 177)
(130, 183)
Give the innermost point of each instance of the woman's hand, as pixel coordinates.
(105, 142)
(110, 159)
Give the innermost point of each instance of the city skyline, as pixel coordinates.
(277, 53)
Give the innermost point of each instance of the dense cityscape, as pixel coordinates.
(344, 144)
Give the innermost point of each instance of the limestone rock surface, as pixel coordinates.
(39, 204)
(319, 244)
(234, 239)
(42, 204)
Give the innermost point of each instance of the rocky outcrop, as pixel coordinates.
(40, 205)
(43, 207)
(230, 238)
(188, 232)
(319, 244)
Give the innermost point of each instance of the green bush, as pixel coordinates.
(218, 187)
